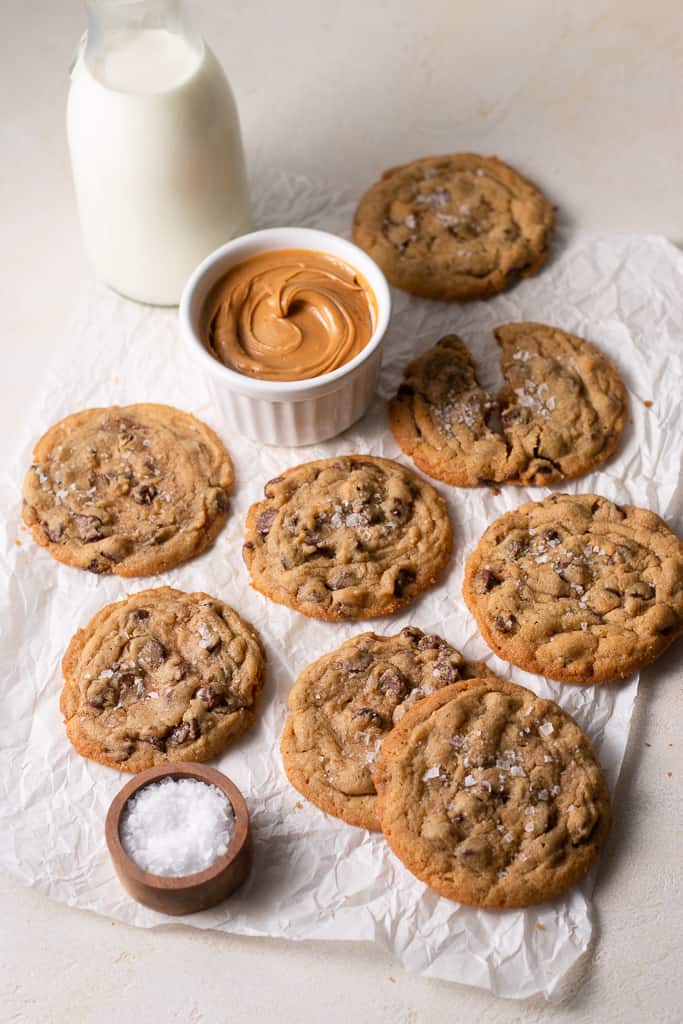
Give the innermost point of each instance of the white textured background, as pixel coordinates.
(587, 99)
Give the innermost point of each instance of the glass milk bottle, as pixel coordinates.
(155, 147)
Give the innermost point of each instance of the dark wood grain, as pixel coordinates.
(187, 894)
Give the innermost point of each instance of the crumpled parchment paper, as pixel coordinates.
(315, 877)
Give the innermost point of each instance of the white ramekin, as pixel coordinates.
(287, 412)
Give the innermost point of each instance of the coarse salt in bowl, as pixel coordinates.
(177, 827)
(179, 837)
(296, 412)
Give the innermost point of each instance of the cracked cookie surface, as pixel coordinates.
(562, 409)
(348, 537)
(460, 226)
(344, 704)
(492, 796)
(131, 490)
(577, 588)
(161, 676)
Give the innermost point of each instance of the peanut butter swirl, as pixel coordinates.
(289, 314)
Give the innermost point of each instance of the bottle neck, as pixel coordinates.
(140, 45)
(113, 16)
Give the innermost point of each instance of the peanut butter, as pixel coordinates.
(289, 314)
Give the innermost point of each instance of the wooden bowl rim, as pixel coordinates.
(180, 770)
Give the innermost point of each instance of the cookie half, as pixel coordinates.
(131, 490)
(492, 796)
(577, 588)
(459, 226)
(347, 538)
(344, 704)
(562, 410)
(162, 676)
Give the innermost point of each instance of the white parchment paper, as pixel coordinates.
(315, 877)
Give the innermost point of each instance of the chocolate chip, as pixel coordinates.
(431, 642)
(265, 521)
(184, 733)
(551, 535)
(447, 672)
(126, 681)
(141, 614)
(151, 654)
(413, 633)
(271, 483)
(516, 548)
(89, 528)
(249, 545)
(340, 581)
(361, 660)
(404, 577)
(393, 681)
(222, 501)
(55, 533)
(100, 566)
(406, 391)
(504, 625)
(179, 734)
(211, 697)
(484, 581)
(370, 715)
(144, 494)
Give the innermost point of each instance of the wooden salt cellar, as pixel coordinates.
(186, 894)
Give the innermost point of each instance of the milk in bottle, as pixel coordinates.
(155, 147)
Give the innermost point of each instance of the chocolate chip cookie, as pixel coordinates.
(492, 796)
(577, 588)
(562, 410)
(460, 226)
(344, 704)
(161, 676)
(347, 538)
(130, 490)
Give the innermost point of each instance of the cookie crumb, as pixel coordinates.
(298, 805)
(392, 979)
(495, 491)
(647, 744)
(539, 926)
(18, 544)
(669, 774)
(648, 404)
